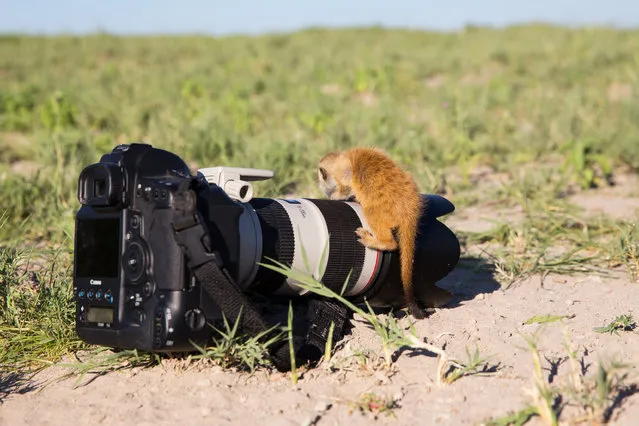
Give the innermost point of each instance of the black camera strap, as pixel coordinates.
(192, 236)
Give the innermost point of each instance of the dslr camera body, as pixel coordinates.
(147, 225)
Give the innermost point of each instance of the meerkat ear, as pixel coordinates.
(322, 171)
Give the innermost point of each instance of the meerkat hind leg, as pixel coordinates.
(384, 240)
(415, 310)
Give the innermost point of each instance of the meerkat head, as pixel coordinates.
(334, 176)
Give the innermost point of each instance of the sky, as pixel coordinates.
(217, 17)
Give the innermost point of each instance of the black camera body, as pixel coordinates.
(133, 284)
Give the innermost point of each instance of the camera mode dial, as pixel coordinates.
(195, 319)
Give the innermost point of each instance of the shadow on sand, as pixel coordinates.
(471, 277)
(15, 383)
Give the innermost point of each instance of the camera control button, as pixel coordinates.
(134, 262)
(135, 221)
(81, 293)
(98, 295)
(147, 289)
(139, 316)
(90, 294)
(108, 297)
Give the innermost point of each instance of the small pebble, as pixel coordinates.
(381, 377)
(322, 406)
(203, 383)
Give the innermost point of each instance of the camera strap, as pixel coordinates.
(192, 236)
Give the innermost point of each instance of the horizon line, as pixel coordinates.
(325, 27)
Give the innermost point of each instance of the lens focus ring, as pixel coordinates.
(345, 251)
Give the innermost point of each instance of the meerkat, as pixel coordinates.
(390, 200)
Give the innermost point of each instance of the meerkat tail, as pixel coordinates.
(407, 237)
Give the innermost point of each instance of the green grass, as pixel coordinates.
(621, 323)
(230, 348)
(517, 418)
(553, 236)
(595, 395)
(550, 110)
(499, 98)
(544, 319)
(36, 309)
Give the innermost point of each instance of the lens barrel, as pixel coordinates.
(318, 237)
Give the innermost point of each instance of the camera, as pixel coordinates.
(136, 287)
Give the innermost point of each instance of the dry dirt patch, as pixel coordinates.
(490, 319)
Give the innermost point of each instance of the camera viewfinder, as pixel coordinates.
(100, 185)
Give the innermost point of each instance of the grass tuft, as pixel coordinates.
(231, 349)
(621, 323)
(597, 396)
(376, 405)
(37, 315)
(476, 365)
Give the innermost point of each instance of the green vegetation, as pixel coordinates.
(548, 110)
(230, 348)
(435, 101)
(543, 319)
(621, 323)
(596, 396)
(36, 310)
(370, 403)
(518, 418)
(476, 364)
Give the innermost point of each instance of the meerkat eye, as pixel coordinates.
(323, 173)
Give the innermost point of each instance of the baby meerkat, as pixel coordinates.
(390, 200)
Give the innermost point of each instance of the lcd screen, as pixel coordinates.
(103, 315)
(97, 248)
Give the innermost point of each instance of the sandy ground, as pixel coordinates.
(482, 315)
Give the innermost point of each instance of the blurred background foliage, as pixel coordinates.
(443, 104)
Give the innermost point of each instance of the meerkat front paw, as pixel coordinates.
(363, 233)
(369, 240)
(365, 236)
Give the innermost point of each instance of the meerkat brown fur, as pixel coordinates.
(390, 201)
